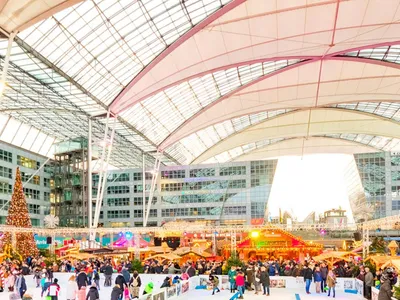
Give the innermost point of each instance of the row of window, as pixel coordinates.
(190, 211)
(31, 193)
(5, 172)
(6, 156)
(230, 171)
(203, 185)
(26, 176)
(34, 208)
(202, 198)
(123, 214)
(27, 162)
(5, 188)
(173, 174)
(118, 202)
(124, 189)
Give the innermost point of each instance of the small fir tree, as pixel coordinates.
(18, 216)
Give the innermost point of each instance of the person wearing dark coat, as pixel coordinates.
(166, 283)
(93, 293)
(324, 273)
(120, 280)
(264, 280)
(126, 274)
(308, 276)
(116, 293)
(250, 277)
(385, 292)
(81, 279)
(108, 271)
(190, 270)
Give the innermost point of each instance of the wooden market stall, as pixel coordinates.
(332, 257)
(163, 257)
(188, 253)
(276, 243)
(383, 261)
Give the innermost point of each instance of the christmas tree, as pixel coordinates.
(18, 216)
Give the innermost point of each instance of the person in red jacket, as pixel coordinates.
(240, 283)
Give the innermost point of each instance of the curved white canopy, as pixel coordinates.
(307, 123)
(305, 146)
(188, 77)
(17, 15)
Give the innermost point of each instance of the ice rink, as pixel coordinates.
(105, 292)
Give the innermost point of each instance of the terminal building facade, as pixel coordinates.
(231, 193)
(37, 190)
(228, 193)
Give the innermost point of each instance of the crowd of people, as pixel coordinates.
(254, 276)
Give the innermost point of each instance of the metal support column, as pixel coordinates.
(214, 243)
(233, 243)
(144, 188)
(156, 170)
(6, 64)
(107, 147)
(89, 174)
(137, 246)
(365, 241)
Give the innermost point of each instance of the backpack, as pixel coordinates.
(96, 276)
(135, 282)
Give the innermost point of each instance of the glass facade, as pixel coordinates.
(37, 190)
(380, 177)
(234, 193)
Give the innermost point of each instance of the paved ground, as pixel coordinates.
(276, 294)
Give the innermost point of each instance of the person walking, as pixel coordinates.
(215, 282)
(232, 278)
(317, 280)
(369, 282)
(108, 271)
(385, 292)
(20, 285)
(37, 276)
(324, 274)
(240, 283)
(54, 290)
(265, 281)
(308, 276)
(96, 279)
(257, 281)
(134, 285)
(120, 281)
(250, 277)
(116, 293)
(93, 293)
(82, 279)
(331, 282)
(72, 288)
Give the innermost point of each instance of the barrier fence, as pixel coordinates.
(180, 290)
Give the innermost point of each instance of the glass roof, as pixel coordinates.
(190, 147)
(72, 65)
(230, 155)
(379, 142)
(103, 44)
(161, 114)
(386, 53)
(52, 105)
(390, 110)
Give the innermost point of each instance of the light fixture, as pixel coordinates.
(255, 234)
